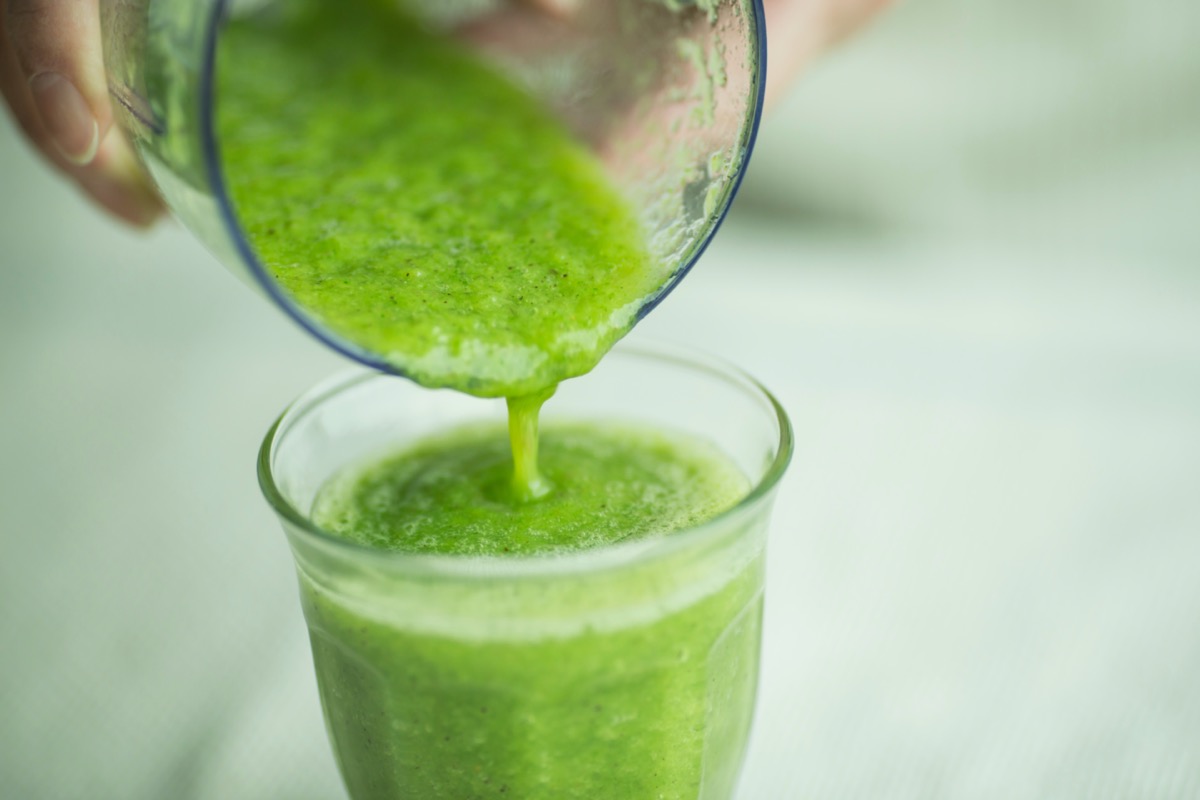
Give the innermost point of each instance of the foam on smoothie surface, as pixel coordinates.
(419, 204)
(452, 494)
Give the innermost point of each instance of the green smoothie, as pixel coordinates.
(418, 204)
(606, 685)
(421, 206)
(453, 495)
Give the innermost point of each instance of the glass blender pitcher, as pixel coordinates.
(666, 93)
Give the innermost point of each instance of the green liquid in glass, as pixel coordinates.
(655, 702)
(452, 495)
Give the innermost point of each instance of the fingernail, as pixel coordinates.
(67, 117)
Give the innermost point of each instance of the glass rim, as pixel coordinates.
(546, 564)
(214, 168)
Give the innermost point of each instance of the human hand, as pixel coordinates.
(52, 78)
(799, 30)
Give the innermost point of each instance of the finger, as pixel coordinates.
(847, 16)
(16, 93)
(556, 8)
(57, 47)
(114, 180)
(799, 30)
(519, 29)
(117, 182)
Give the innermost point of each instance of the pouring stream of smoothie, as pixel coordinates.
(412, 200)
(528, 483)
(415, 203)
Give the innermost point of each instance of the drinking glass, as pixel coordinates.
(626, 671)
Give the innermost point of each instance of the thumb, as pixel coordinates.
(57, 45)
